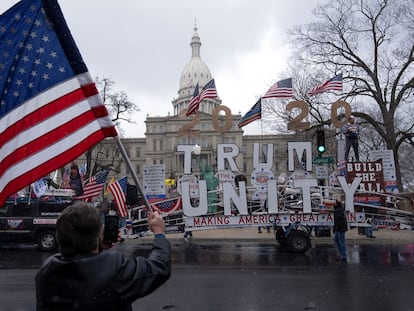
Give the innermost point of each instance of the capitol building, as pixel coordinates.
(212, 125)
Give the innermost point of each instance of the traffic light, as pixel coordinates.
(320, 139)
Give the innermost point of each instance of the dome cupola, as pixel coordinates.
(196, 71)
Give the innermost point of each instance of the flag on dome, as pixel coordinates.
(281, 89)
(118, 190)
(194, 103)
(255, 113)
(334, 84)
(208, 91)
(50, 109)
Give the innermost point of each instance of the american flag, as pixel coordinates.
(50, 109)
(334, 84)
(94, 186)
(255, 113)
(208, 91)
(194, 103)
(281, 89)
(118, 190)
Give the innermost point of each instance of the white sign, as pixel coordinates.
(231, 198)
(212, 222)
(321, 171)
(193, 185)
(154, 181)
(388, 167)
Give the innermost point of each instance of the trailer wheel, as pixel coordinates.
(298, 241)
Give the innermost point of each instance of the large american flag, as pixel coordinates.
(334, 84)
(281, 89)
(118, 190)
(194, 103)
(94, 186)
(50, 109)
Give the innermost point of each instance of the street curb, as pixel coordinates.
(250, 234)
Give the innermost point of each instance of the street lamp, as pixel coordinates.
(197, 149)
(197, 152)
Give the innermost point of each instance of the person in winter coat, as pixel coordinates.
(85, 277)
(339, 229)
(351, 132)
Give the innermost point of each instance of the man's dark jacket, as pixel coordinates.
(104, 281)
(340, 223)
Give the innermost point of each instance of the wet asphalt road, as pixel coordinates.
(249, 276)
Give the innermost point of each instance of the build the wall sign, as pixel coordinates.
(372, 180)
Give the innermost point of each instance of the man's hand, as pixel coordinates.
(155, 223)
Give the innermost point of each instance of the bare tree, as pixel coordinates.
(118, 104)
(120, 108)
(372, 43)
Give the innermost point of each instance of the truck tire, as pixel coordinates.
(46, 241)
(298, 241)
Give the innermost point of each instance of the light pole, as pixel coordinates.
(197, 152)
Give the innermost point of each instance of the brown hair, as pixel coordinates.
(78, 229)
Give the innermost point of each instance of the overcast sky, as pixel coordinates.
(143, 47)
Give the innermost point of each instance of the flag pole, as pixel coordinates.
(134, 175)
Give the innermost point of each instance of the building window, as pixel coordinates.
(138, 152)
(138, 169)
(161, 161)
(154, 162)
(161, 145)
(154, 145)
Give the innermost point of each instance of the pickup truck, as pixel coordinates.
(24, 220)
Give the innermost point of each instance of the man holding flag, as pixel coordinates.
(50, 114)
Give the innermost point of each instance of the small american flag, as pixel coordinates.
(334, 84)
(118, 190)
(208, 91)
(255, 113)
(94, 186)
(194, 103)
(281, 89)
(50, 109)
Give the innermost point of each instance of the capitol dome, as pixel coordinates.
(196, 71)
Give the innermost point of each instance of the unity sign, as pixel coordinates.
(238, 199)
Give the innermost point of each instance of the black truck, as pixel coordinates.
(24, 220)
